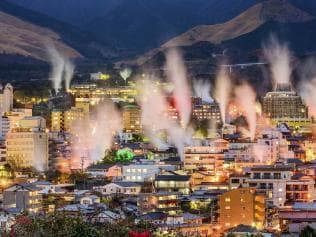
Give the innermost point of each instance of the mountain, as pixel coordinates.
(272, 16)
(27, 33)
(248, 21)
(135, 26)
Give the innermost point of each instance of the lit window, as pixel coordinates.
(227, 199)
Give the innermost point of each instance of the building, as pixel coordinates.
(145, 171)
(27, 145)
(209, 158)
(139, 172)
(11, 120)
(25, 197)
(241, 206)
(285, 105)
(271, 180)
(172, 182)
(132, 119)
(104, 171)
(300, 188)
(6, 98)
(202, 110)
(97, 94)
(124, 188)
(64, 120)
(295, 218)
(167, 202)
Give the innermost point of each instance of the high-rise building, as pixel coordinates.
(63, 120)
(242, 206)
(27, 145)
(6, 98)
(285, 105)
(205, 111)
(132, 119)
(209, 158)
(11, 119)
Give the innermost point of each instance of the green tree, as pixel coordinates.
(308, 232)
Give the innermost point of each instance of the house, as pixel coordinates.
(172, 182)
(295, 218)
(125, 188)
(23, 196)
(107, 217)
(89, 200)
(104, 171)
(167, 202)
(246, 230)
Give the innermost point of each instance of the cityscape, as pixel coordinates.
(202, 133)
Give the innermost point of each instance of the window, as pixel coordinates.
(227, 199)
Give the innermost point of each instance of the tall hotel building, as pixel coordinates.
(27, 144)
(285, 105)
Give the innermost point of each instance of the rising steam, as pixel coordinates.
(94, 136)
(62, 69)
(202, 89)
(222, 91)
(246, 98)
(177, 74)
(278, 56)
(307, 86)
(155, 118)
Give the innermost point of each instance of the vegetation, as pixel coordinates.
(308, 232)
(60, 225)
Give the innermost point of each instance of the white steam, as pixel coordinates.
(93, 137)
(62, 69)
(177, 74)
(278, 56)
(307, 86)
(125, 73)
(202, 89)
(222, 91)
(246, 98)
(155, 118)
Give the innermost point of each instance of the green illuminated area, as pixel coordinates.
(124, 155)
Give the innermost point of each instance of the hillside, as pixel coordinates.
(275, 11)
(28, 32)
(139, 25)
(254, 17)
(25, 39)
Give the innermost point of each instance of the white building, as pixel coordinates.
(6, 98)
(11, 120)
(272, 180)
(27, 145)
(140, 172)
(127, 188)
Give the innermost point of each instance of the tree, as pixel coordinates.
(308, 232)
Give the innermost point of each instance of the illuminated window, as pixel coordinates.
(227, 199)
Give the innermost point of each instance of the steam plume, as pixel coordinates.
(202, 89)
(222, 91)
(155, 118)
(307, 86)
(62, 69)
(95, 136)
(69, 69)
(176, 73)
(57, 63)
(278, 56)
(246, 97)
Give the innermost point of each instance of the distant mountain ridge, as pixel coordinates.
(275, 11)
(28, 33)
